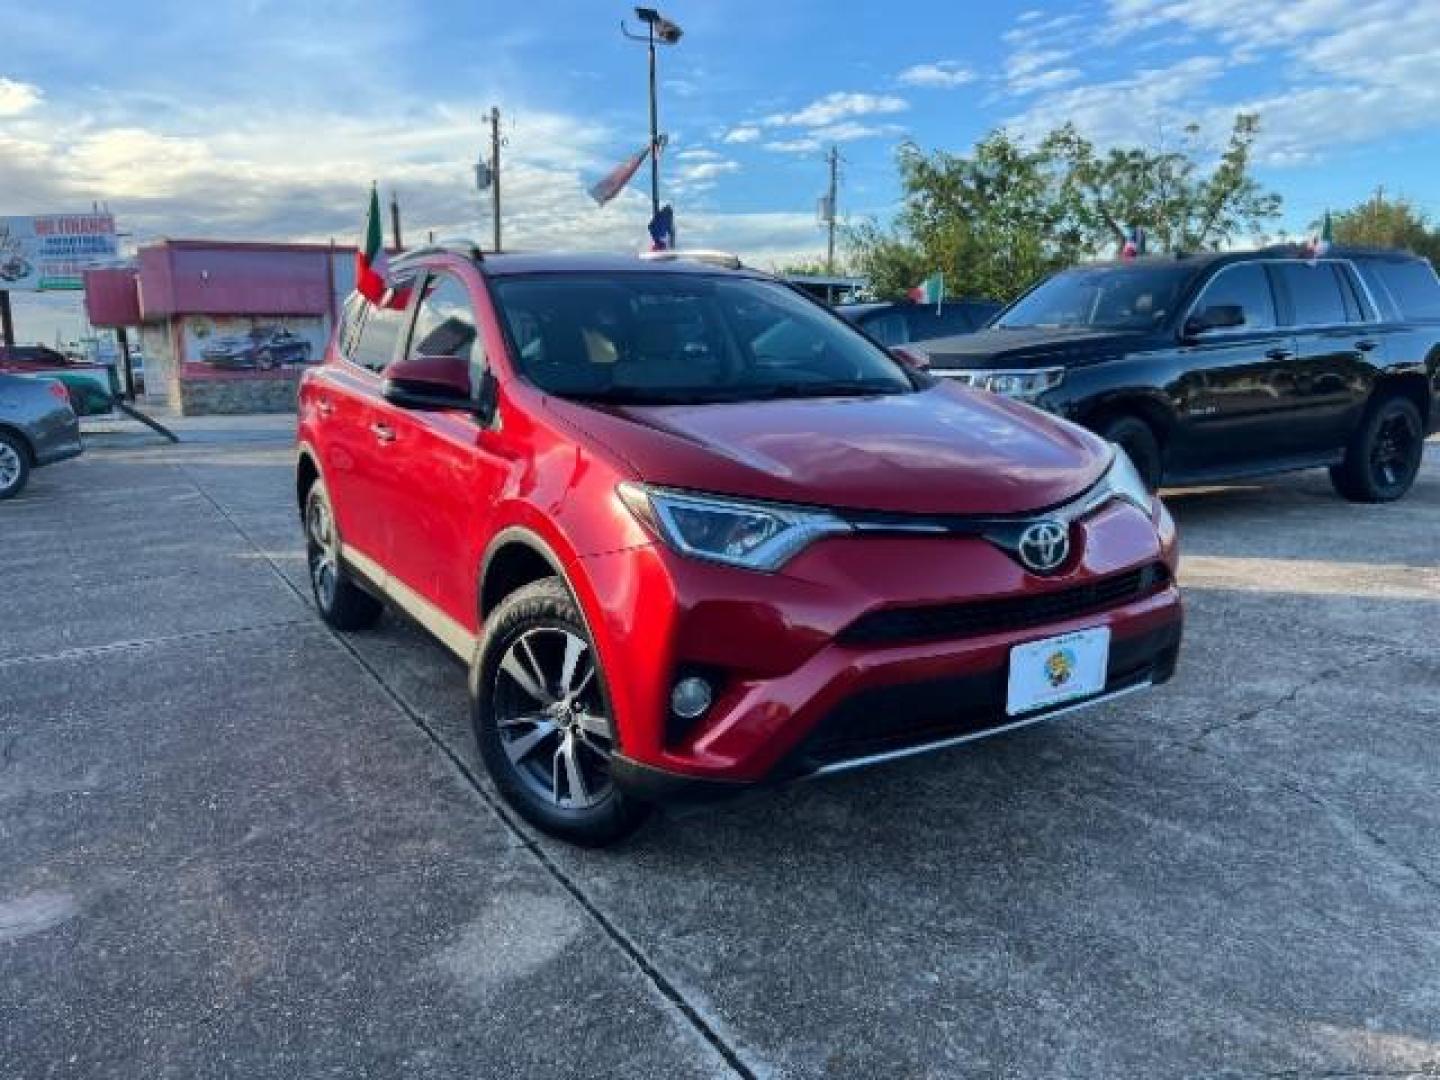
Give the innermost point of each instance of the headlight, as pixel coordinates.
(757, 536)
(1124, 482)
(1022, 385)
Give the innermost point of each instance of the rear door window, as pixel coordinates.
(1315, 296)
(1242, 285)
(379, 336)
(352, 319)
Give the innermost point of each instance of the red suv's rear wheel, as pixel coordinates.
(543, 720)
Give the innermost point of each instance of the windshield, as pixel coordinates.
(1102, 297)
(671, 338)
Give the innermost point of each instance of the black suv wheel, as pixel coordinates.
(1384, 455)
(542, 718)
(1137, 439)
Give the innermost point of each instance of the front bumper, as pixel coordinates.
(798, 692)
(887, 723)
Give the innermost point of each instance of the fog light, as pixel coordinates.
(690, 698)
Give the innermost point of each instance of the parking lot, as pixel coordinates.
(232, 844)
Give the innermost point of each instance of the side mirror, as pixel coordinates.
(913, 359)
(1215, 317)
(429, 382)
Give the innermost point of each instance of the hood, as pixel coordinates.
(944, 450)
(1027, 347)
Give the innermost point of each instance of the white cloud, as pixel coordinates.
(1354, 70)
(942, 74)
(1032, 69)
(1124, 110)
(17, 97)
(745, 133)
(707, 170)
(846, 131)
(837, 106)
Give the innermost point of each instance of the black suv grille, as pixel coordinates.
(941, 621)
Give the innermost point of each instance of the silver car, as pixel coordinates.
(37, 427)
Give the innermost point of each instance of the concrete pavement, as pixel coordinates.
(232, 844)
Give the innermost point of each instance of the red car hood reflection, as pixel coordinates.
(945, 450)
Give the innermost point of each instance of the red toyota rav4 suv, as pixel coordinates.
(692, 532)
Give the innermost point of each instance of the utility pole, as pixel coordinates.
(495, 172)
(395, 220)
(830, 208)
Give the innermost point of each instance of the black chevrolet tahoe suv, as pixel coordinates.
(1209, 367)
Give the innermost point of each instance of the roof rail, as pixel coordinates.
(459, 246)
(714, 258)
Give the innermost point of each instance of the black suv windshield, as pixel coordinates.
(1102, 297)
(671, 338)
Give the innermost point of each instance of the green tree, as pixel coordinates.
(809, 267)
(991, 222)
(996, 220)
(1168, 192)
(1393, 223)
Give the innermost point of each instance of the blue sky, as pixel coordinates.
(265, 119)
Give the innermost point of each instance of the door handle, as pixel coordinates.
(383, 432)
(1365, 346)
(324, 407)
(1279, 354)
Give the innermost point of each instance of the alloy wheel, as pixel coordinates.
(1393, 453)
(324, 553)
(9, 466)
(550, 716)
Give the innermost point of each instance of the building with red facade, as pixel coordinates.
(225, 327)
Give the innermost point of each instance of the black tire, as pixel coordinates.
(342, 603)
(531, 739)
(1137, 438)
(14, 466)
(1383, 456)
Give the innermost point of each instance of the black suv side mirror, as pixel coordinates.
(1215, 317)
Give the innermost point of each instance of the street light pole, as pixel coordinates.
(654, 131)
(662, 30)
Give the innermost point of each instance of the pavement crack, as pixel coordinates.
(1290, 696)
(658, 980)
(82, 651)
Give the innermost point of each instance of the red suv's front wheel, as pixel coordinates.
(543, 721)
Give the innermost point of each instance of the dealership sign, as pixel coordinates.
(53, 251)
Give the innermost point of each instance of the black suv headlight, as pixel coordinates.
(1026, 385)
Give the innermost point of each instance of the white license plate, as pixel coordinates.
(1044, 673)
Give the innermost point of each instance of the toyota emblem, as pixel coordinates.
(1044, 546)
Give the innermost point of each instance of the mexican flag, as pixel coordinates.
(371, 263)
(929, 291)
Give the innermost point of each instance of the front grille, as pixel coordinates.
(890, 718)
(944, 621)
